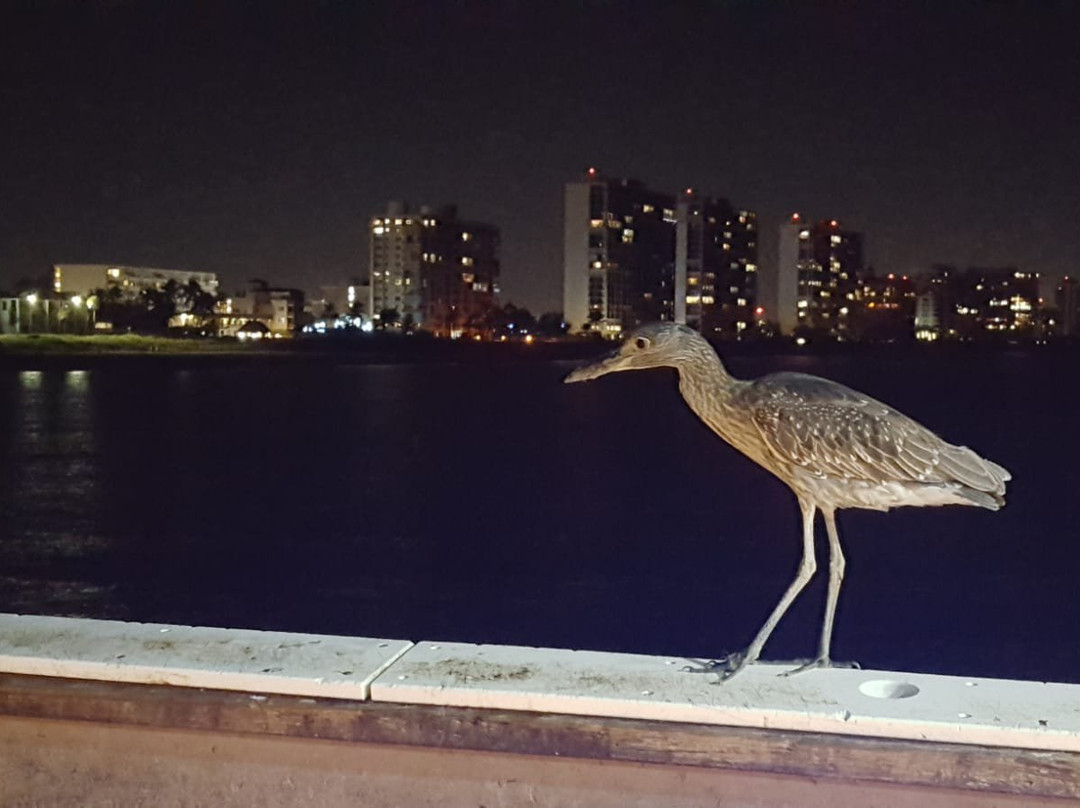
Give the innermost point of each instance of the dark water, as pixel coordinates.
(490, 503)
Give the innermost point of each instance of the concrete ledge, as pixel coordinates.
(225, 659)
(883, 704)
(924, 732)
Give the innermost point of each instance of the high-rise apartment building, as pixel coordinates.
(977, 303)
(814, 278)
(431, 270)
(715, 266)
(883, 309)
(1067, 300)
(1003, 299)
(618, 255)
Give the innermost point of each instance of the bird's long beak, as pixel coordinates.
(610, 364)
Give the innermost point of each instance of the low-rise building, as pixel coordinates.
(85, 279)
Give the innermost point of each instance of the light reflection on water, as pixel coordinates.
(50, 499)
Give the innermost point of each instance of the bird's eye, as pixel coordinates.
(641, 343)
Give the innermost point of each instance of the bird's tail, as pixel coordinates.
(981, 498)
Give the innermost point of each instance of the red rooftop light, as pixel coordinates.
(834, 223)
(592, 171)
(795, 217)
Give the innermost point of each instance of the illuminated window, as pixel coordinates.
(647, 208)
(468, 277)
(379, 231)
(628, 236)
(113, 272)
(466, 236)
(466, 261)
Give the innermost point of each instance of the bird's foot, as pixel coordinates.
(820, 663)
(725, 667)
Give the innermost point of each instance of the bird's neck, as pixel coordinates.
(704, 382)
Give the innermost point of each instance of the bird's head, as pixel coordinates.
(651, 346)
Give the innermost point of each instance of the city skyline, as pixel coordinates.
(260, 147)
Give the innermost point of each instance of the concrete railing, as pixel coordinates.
(135, 706)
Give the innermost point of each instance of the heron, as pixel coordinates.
(834, 447)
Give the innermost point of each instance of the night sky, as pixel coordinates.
(257, 142)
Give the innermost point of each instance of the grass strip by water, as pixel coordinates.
(29, 344)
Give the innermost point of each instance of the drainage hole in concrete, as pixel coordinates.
(888, 689)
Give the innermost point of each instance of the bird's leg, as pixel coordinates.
(836, 577)
(733, 663)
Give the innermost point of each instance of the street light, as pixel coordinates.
(32, 298)
(76, 301)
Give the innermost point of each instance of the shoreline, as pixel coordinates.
(63, 352)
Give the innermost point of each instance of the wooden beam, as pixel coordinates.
(815, 755)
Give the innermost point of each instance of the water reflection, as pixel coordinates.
(50, 502)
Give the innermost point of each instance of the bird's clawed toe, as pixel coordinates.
(725, 667)
(820, 663)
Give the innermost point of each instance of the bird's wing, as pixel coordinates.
(833, 431)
